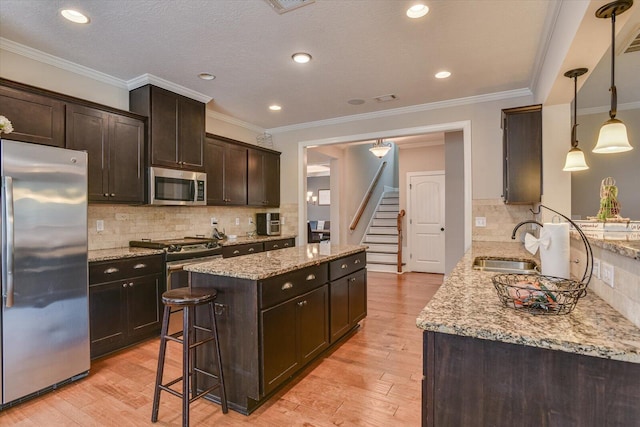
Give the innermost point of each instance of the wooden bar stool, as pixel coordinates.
(187, 299)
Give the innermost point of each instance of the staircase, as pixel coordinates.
(382, 234)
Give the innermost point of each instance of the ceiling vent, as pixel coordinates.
(284, 6)
(386, 98)
(634, 43)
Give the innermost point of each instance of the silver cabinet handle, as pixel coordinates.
(251, 249)
(286, 245)
(124, 285)
(286, 286)
(311, 277)
(7, 186)
(343, 266)
(113, 194)
(356, 261)
(138, 266)
(111, 270)
(106, 194)
(275, 246)
(302, 303)
(131, 285)
(236, 252)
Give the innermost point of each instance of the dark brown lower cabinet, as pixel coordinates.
(293, 333)
(348, 303)
(127, 309)
(474, 382)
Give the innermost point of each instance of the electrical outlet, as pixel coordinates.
(281, 220)
(237, 221)
(100, 225)
(596, 268)
(214, 221)
(606, 272)
(250, 221)
(481, 221)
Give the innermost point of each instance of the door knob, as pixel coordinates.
(441, 228)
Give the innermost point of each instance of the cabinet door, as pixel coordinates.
(271, 179)
(214, 167)
(313, 322)
(126, 160)
(35, 118)
(87, 130)
(340, 321)
(255, 178)
(107, 320)
(191, 133)
(164, 128)
(235, 175)
(279, 344)
(357, 297)
(143, 306)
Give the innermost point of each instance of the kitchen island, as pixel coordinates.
(485, 364)
(277, 311)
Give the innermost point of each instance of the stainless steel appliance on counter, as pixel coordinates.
(182, 252)
(177, 187)
(44, 319)
(268, 224)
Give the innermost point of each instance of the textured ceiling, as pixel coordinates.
(361, 49)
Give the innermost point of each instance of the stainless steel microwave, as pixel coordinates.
(177, 187)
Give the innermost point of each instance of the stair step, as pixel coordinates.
(382, 268)
(390, 201)
(382, 230)
(381, 238)
(385, 215)
(391, 194)
(384, 222)
(391, 248)
(376, 257)
(389, 208)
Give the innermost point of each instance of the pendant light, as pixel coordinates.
(575, 157)
(613, 133)
(380, 149)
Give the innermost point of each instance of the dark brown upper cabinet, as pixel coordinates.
(115, 148)
(35, 118)
(522, 154)
(263, 178)
(176, 127)
(226, 167)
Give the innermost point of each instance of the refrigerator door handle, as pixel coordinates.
(7, 186)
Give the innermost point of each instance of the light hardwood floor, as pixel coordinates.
(372, 379)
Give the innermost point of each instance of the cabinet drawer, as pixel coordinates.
(107, 271)
(347, 265)
(281, 288)
(238, 250)
(279, 244)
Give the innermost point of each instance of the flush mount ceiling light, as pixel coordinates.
(417, 11)
(301, 57)
(575, 157)
(442, 74)
(206, 76)
(380, 148)
(613, 133)
(275, 107)
(75, 16)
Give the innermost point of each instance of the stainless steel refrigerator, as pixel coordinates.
(44, 320)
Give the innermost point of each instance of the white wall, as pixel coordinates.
(418, 159)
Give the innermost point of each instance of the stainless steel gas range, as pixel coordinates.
(180, 253)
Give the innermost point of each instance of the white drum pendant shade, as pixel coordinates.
(613, 138)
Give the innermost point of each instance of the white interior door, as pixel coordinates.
(425, 234)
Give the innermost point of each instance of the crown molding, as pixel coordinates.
(55, 61)
(477, 99)
(606, 108)
(234, 121)
(150, 79)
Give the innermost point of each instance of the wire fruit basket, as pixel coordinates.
(540, 294)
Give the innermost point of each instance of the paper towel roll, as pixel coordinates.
(555, 257)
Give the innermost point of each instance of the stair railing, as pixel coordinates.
(367, 197)
(401, 215)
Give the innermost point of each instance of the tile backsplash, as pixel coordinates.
(124, 223)
(500, 219)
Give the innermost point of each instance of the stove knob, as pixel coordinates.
(178, 248)
(212, 245)
(172, 248)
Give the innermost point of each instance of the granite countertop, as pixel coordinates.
(627, 248)
(273, 263)
(467, 304)
(241, 240)
(118, 253)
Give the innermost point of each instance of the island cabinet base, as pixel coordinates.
(474, 382)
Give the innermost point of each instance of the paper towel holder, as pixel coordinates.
(588, 270)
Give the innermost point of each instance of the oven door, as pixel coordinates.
(177, 277)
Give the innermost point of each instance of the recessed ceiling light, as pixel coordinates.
(301, 57)
(206, 76)
(417, 11)
(74, 16)
(442, 75)
(275, 107)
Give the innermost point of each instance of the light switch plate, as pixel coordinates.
(237, 221)
(214, 221)
(100, 225)
(596, 268)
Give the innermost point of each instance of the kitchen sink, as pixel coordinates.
(505, 265)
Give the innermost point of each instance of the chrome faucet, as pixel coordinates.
(515, 229)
